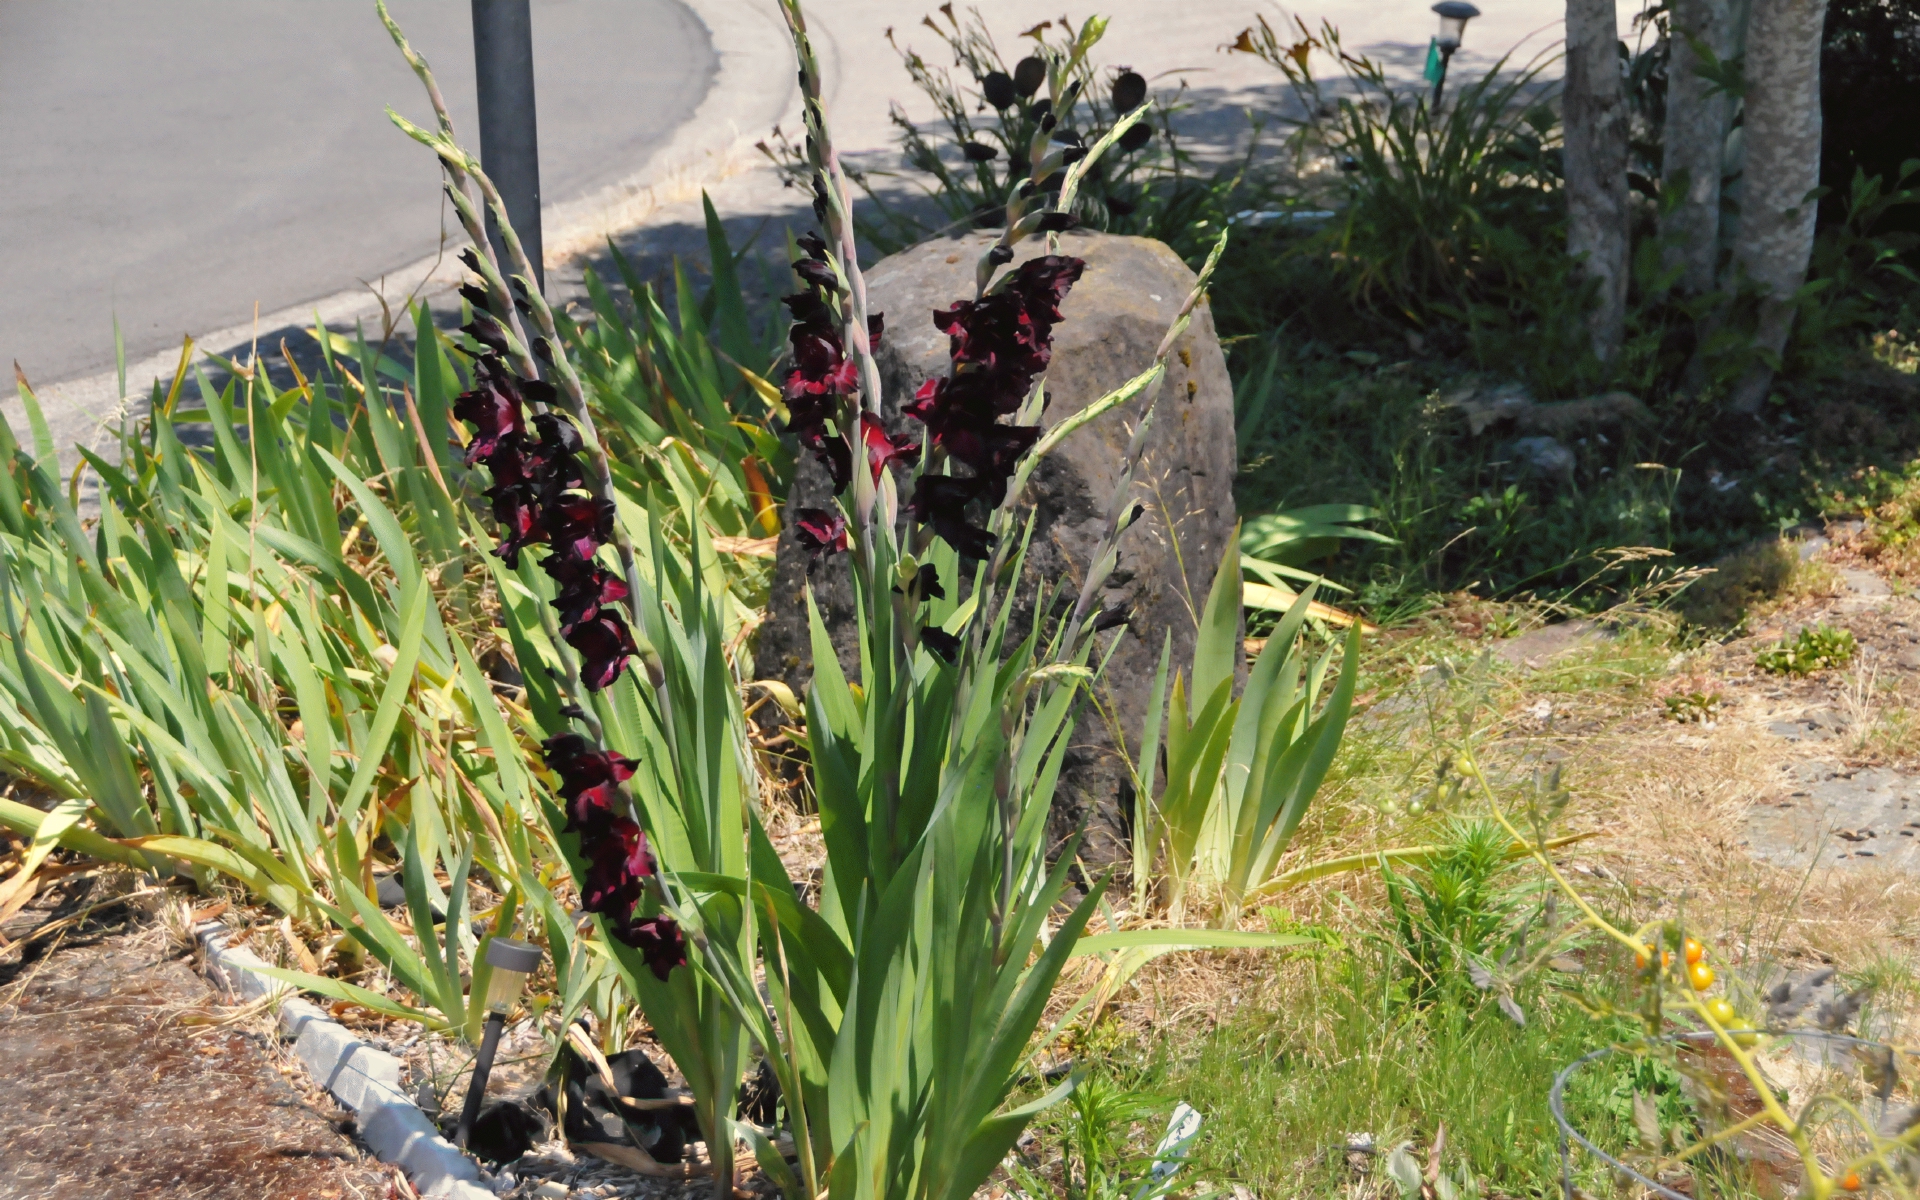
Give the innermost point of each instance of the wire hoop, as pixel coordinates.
(1556, 1102)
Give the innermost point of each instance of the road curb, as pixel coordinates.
(364, 1079)
(753, 88)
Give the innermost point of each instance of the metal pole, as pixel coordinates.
(477, 1086)
(1446, 58)
(509, 142)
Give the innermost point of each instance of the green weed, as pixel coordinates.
(1816, 648)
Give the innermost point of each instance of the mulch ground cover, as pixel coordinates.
(117, 1080)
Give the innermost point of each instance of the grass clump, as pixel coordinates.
(1739, 584)
(1345, 1059)
(1816, 648)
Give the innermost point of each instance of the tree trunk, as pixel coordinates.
(1782, 131)
(1695, 142)
(1595, 117)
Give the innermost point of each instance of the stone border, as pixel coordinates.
(364, 1079)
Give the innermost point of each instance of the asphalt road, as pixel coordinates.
(174, 164)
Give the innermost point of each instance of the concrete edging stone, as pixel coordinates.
(363, 1078)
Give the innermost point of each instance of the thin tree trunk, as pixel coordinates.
(1695, 143)
(1595, 117)
(1782, 131)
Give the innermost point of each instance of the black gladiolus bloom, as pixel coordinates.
(820, 532)
(941, 502)
(943, 644)
(487, 331)
(658, 939)
(999, 344)
(823, 373)
(604, 643)
(578, 524)
(1135, 137)
(477, 296)
(589, 778)
(1028, 74)
(817, 273)
(926, 584)
(997, 89)
(1129, 92)
(493, 409)
(884, 450)
(618, 863)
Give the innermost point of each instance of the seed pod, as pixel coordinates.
(1028, 74)
(979, 151)
(1129, 92)
(997, 87)
(1136, 137)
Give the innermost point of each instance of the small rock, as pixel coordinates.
(1536, 647)
(1489, 406)
(1819, 726)
(552, 1190)
(1544, 457)
(1837, 819)
(1864, 583)
(1909, 658)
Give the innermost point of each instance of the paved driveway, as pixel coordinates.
(176, 163)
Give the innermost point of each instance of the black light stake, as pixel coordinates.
(509, 140)
(1454, 15)
(512, 962)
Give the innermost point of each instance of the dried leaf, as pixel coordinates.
(1646, 1119)
(1512, 1010)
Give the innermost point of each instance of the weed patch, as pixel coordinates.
(1815, 648)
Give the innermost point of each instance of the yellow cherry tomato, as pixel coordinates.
(1701, 976)
(1850, 1182)
(1722, 1011)
(1694, 951)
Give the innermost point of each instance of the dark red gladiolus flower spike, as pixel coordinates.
(883, 450)
(618, 858)
(823, 373)
(820, 532)
(658, 939)
(605, 643)
(618, 863)
(998, 344)
(589, 778)
(941, 501)
(493, 409)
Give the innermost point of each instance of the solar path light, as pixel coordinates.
(1454, 15)
(512, 962)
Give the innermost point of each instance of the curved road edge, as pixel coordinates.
(752, 88)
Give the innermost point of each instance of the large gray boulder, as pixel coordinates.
(1115, 318)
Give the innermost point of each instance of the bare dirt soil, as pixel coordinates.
(106, 1093)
